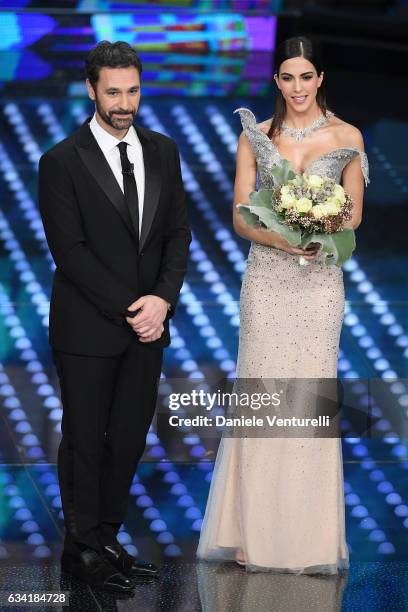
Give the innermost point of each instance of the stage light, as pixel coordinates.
(23, 427)
(16, 502)
(137, 488)
(30, 526)
(351, 319)
(358, 330)
(359, 511)
(157, 452)
(158, 525)
(7, 390)
(29, 440)
(172, 551)
(401, 510)
(359, 450)
(17, 414)
(45, 390)
(39, 377)
(52, 489)
(151, 513)
(393, 499)
(42, 552)
(23, 514)
(343, 365)
(123, 537)
(373, 353)
(144, 501)
(34, 366)
(351, 499)
(372, 297)
(193, 513)
(399, 450)
(386, 548)
(368, 523)
(376, 536)
(403, 401)
(385, 487)
(381, 364)
(165, 537)
(171, 477)
(389, 374)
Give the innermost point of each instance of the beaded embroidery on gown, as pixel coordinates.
(279, 502)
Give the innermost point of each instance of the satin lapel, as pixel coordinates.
(93, 158)
(153, 182)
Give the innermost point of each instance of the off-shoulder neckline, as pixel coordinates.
(322, 156)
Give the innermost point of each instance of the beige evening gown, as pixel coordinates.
(279, 502)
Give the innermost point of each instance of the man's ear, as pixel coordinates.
(91, 91)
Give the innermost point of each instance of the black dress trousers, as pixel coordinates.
(108, 407)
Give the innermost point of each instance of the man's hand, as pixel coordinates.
(148, 323)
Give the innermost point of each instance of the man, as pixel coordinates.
(113, 207)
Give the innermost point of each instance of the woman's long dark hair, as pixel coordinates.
(298, 46)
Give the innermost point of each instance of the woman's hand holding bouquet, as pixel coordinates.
(306, 211)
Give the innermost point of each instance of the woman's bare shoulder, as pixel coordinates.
(346, 134)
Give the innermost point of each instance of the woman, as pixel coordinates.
(278, 503)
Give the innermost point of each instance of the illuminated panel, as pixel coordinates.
(20, 30)
(189, 31)
(188, 54)
(89, 6)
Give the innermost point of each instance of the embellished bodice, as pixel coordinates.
(329, 164)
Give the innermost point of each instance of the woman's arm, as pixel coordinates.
(353, 180)
(245, 183)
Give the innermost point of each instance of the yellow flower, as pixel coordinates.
(303, 205)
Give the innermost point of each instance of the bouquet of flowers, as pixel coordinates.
(303, 209)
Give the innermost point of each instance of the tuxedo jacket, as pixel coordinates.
(102, 265)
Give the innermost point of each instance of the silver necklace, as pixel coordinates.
(299, 133)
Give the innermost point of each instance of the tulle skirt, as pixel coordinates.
(278, 502)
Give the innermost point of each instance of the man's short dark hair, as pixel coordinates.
(113, 55)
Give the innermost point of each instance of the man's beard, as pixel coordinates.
(116, 122)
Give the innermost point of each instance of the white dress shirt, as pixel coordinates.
(108, 144)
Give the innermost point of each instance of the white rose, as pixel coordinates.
(334, 203)
(319, 211)
(331, 209)
(285, 190)
(314, 181)
(303, 205)
(339, 194)
(288, 200)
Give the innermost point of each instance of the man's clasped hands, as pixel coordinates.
(148, 323)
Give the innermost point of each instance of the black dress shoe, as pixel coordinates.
(126, 564)
(93, 568)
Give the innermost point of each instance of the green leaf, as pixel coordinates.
(339, 246)
(263, 197)
(282, 173)
(271, 221)
(249, 218)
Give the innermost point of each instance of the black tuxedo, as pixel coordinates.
(108, 377)
(102, 267)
